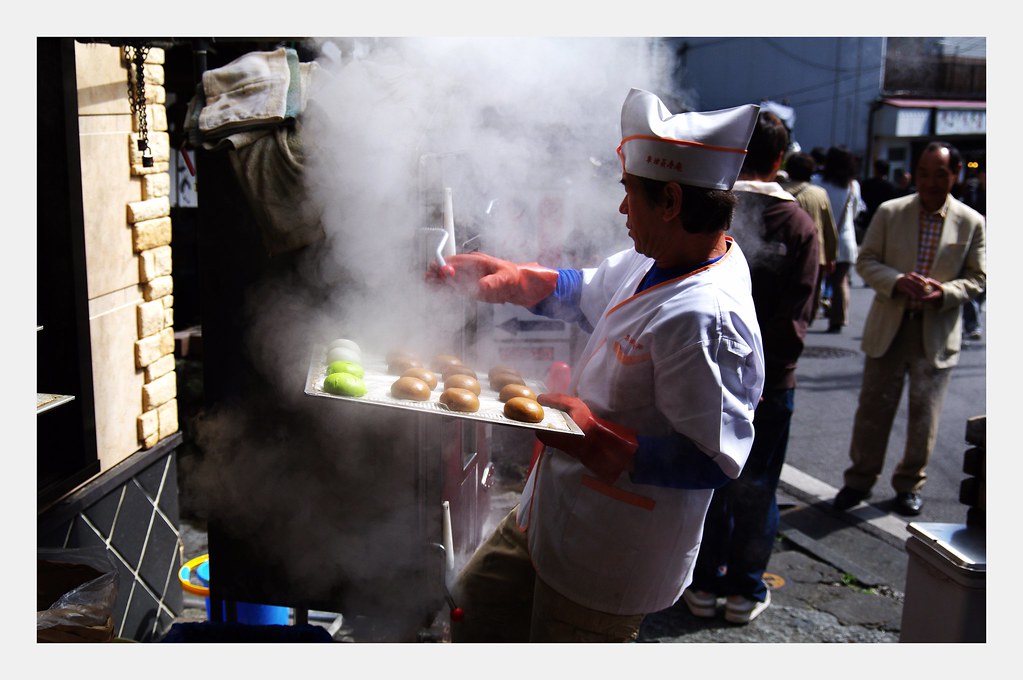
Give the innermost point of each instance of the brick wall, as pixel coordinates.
(151, 241)
(129, 267)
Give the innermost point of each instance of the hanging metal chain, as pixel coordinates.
(137, 97)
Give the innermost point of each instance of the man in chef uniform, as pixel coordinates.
(609, 523)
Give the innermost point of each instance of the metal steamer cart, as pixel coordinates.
(364, 507)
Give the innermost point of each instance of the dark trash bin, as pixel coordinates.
(945, 584)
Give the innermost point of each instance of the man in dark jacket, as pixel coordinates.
(815, 201)
(875, 191)
(742, 521)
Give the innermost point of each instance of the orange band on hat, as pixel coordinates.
(680, 142)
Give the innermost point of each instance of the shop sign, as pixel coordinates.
(953, 122)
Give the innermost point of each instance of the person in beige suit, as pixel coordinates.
(923, 254)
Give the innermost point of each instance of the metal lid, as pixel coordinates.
(960, 544)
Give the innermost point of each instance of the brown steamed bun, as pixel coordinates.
(442, 361)
(410, 388)
(500, 379)
(399, 364)
(459, 399)
(457, 369)
(423, 373)
(523, 409)
(515, 390)
(396, 354)
(462, 381)
(501, 368)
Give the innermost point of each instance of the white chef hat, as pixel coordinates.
(704, 149)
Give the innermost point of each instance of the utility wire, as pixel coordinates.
(811, 102)
(846, 73)
(824, 67)
(844, 79)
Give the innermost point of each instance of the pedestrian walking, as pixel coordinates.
(742, 521)
(974, 194)
(903, 182)
(875, 190)
(839, 179)
(814, 200)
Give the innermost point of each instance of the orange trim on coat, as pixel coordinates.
(728, 239)
(628, 359)
(618, 494)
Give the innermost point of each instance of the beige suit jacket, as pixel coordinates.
(889, 249)
(815, 201)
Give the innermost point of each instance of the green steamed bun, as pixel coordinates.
(345, 384)
(343, 366)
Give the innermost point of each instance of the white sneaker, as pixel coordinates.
(701, 603)
(740, 610)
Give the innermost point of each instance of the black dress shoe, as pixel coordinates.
(847, 497)
(908, 503)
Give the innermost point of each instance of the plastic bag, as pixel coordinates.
(84, 582)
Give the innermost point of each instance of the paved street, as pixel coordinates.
(829, 377)
(835, 577)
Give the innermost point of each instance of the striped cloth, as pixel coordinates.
(930, 234)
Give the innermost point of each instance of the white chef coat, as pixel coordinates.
(686, 356)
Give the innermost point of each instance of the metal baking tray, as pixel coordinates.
(378, 383)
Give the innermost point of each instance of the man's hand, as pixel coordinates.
(605, 448)
(490, 279)
(918, 287)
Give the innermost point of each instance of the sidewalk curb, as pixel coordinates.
(812, 491)
(825, 554)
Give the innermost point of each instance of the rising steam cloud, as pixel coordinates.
(524, 132)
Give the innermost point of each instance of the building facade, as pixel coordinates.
(106, 415)
(881, 97)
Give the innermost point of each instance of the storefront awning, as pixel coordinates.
(935, 103)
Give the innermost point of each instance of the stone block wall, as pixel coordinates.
(151, 241)
(129, 263)
(130, 508)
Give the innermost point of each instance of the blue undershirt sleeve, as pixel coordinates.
(563, 303)
(675, 462)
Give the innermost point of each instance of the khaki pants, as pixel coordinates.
(883, 380)
(504, 601)
(838, 314)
